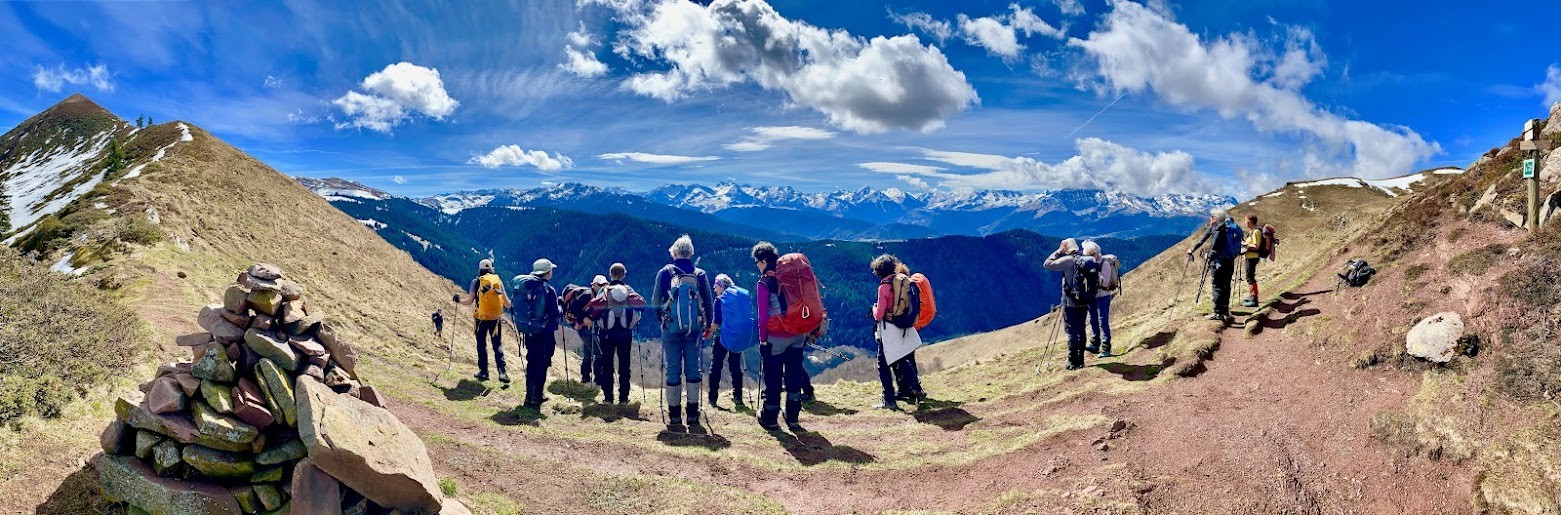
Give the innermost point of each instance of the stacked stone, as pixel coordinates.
(265, 419)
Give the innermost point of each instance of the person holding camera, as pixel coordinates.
(1080, 284)
(1221, 262)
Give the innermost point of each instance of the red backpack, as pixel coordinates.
(802, 308)
(929, 306)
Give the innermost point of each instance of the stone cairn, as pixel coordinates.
(270, 417)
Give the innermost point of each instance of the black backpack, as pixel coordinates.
(1357, 273)
(1084, 282)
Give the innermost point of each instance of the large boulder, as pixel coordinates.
(221, 329)
(278, 389)
(341, 351)
(128, 480)
(268, 346)
(1554, 126)
(1435, 338)
(314, 491)
(366, 448)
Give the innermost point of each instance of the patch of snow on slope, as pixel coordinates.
(33, 179)
(372, 223)
(1393, 186)
(415, 238)
(63, 265)
(1451, 170)
(339, 198)
(136, 172)
(1274, 194)
(1341, 181)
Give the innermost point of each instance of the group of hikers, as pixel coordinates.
(784, 315)
(781, 318)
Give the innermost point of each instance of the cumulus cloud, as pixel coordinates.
(762, 138)
(1070, 7)
(924, 23)
(914, 181)
(582, 57)
(398, 179)
(54, 79)
(1551, 88)
(513, 155)
(272, 82)
(999, 34)
(1100, 164)
(1139, 48)
(659, 159)
(863, 85)
(391, 96)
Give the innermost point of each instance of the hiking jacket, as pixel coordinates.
(664, 288)
(1059, 262)
(1252, 241)
(550, 312)
(885, 301)
(1217, 232)
(717, 310)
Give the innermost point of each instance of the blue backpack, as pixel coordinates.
(1230, 243)
(738, 324)
(682, 309)
(530, 305)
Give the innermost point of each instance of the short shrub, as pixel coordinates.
(140, 231)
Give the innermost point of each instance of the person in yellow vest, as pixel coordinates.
(1249, 249)
(487, 293)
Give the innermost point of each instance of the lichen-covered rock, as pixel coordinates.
(214, 366)
(245, 495)
(118, 438)
(219, 396)
(129, 480)
(1435, 338)
(218, 464)
(167, 458)
(272, 474)
(367, 449)
(144, 442)
(336, 377)
(222, 427)
(268, 346)
(270, 497)
(278, 389)
(265, 302)
(177, 426)
(282, 452)
(235, 298)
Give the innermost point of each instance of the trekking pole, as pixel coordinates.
(661, 400)
(563, 341)
(1051, 337)
(831, 352)
(1202, 278)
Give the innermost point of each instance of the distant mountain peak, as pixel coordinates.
(335, 188)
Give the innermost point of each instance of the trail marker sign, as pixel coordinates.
(1528, 168)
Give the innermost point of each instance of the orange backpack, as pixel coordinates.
(929, 306)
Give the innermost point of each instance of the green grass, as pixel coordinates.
(447, 485)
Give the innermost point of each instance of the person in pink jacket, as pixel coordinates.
(885, 267)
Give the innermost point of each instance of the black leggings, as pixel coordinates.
(489, 329)
(732, 361)
(615, 345)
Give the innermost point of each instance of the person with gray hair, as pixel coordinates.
(719, 355)
(1221, 259)
(683, 301)
(1100, 308)
(1080, 282)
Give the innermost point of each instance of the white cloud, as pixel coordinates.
(272, 82)
(1551, 88)
(1140, 48)
(398, 179)
(765, 137)
(300, 117)
(925, 23)
(917, 182)
(513, 155)
(54, 79)
(999, 34)
(1100, 165)
(391, 96)
(582, 59)
(660, 159)
(899, 168)
(1070, 7)
(863, 85)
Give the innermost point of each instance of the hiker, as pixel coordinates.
(1254, 248)
(729, 298)
(907, 378)
(780, 353)
(1080, 284)
(487, 292)
(438, 317)
(576, 306)
(1100, 308)
(620, 307)
(886, 306)
(683, 300)
(1221, 259)
(536, 318)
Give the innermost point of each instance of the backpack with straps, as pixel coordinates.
(1110, 268)
(489, 298)
(1265, 247)
(1357, 273)
(1229, 244)
(907, 301)
(1084, 283)
(619, 306)
(576, 302)
(802, 307)
(737, 320)
(530, 306)
(683, 309)
(928, 306)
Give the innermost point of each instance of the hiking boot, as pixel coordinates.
(1094, 345)
(674, 416)
(888, 406)
(1214, 316)
(738, 405)
(503, 377)
(1249, 302)
(481, 376)
(714, 396)
(793, 414)
(1105, 349)
(807, 396)
(693, 415)
(767, 418)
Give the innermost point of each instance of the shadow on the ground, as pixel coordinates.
(612, 412)
(824, 409)
(78, 493)
(582, 392)
(944, 414)
(1133, 372)
(465, 390)
(1293, 296)
(1159, 339)
(519, 416)
(811, 448)
(701, 439)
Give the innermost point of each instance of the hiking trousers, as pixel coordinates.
(1223, 270)
(1073, 322)
(1100, 317)
(1252, 276)
(886, 375)
(539, 356)
(615, 347)
(906, 377)
(681, 355)
(590, 346)
(782, 372)
(732, 361)
(489, 330)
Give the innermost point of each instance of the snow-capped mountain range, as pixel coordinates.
(872, 213)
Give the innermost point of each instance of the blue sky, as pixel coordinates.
(1214, 96)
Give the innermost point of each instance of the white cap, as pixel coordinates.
(600, 279)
